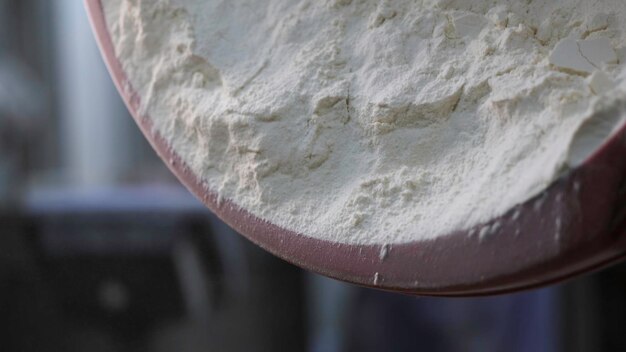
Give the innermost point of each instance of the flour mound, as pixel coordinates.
(362, 121)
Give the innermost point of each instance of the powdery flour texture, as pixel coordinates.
(364, 121)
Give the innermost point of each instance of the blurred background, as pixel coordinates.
(102, 250)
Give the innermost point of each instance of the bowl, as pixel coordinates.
(574, 226)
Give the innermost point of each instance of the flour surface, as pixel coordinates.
(363, 121)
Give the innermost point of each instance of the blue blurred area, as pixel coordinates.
(516, 323)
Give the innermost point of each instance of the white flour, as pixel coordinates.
(375, 121)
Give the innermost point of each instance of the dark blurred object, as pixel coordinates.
(146, 269)
(25, 308)
(102, 257)
(21, 107)
(23, 98)
(520, 322)
(594, 312)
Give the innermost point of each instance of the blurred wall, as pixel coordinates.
(95, 128)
